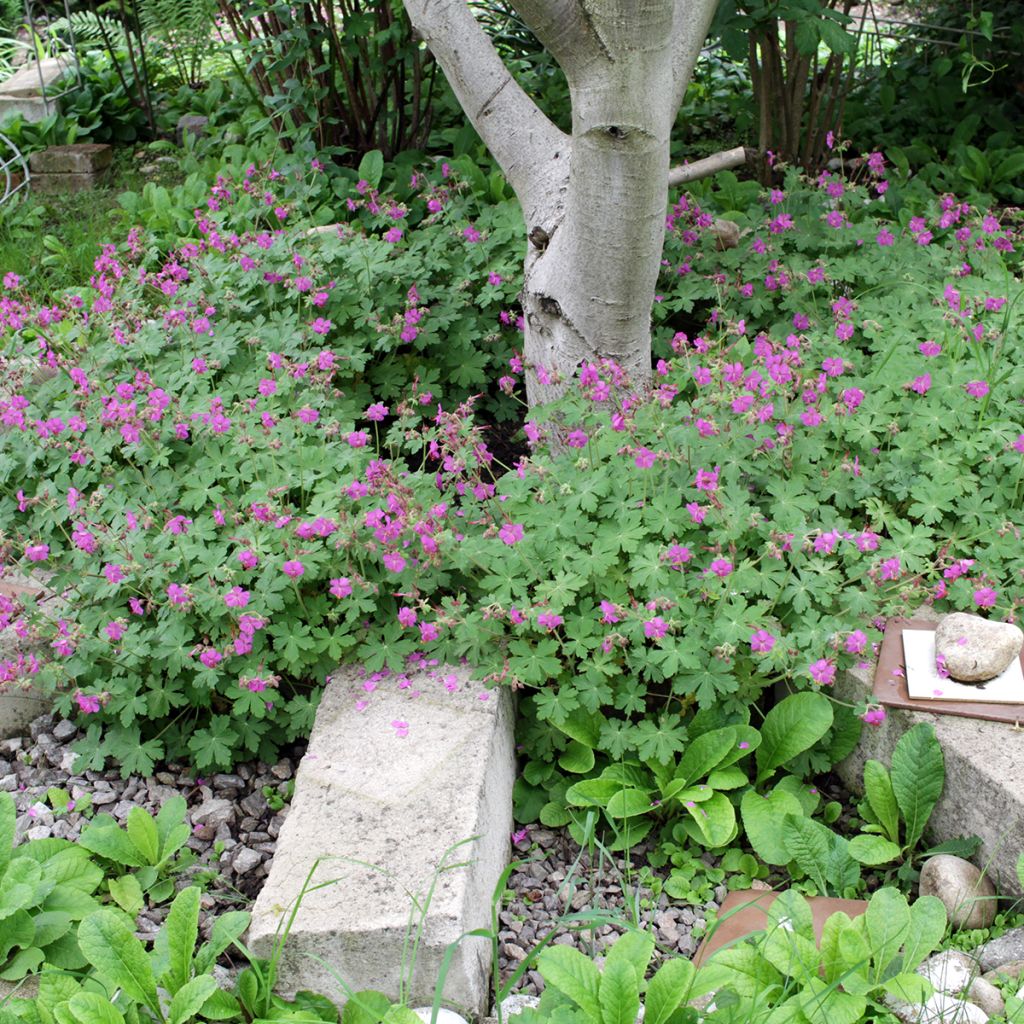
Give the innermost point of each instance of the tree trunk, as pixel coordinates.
(593, 202)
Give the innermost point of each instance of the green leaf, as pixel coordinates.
(365, 1007)
(18, 886)
(593, 792)
(763, 818)
(118, 957)
(226, 929)
(918, 775)
(628, 803)
(182, 930)
(127, 893)
(667, 990)
(872, 850)
(574, 975)
(836, 39)
(791, 727)
(704, 753)
(143, 833)
(189, 999)
(92, 1008)
(371, 167)
(887, 920)
(927, 929)
(577, 759)
(107, 840)
(808, 844)
(881, 799)
(619, 994)
(633, 947)
(715, 819)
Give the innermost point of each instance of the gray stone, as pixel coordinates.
(64, 731)
(244, 860)
(56, 184)
(1010, 971)
(1007, 951)
(984, 790)
(968, 895)
(213, 813)
(382, 811)
(986, 996)
(426, 1015)
(937, 1009)
(975, 649)
(79, 158)
(516, 1003)
(190, 124)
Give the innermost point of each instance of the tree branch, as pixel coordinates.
(520, 137)
(724, 161)
(689, 30)
(564, 29)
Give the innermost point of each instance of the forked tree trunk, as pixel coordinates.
(593, 201)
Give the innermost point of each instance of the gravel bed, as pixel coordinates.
(234, 835)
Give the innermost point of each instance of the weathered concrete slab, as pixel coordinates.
(35, 79)
(52, 184)
(984, 792)
(80, 158)
(29, 108)
(398, 771)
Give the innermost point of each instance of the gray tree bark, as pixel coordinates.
(594, 200)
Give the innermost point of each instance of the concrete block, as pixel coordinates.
(36, 79)
(32, 109)
(984, 792)
(51, 184)
(19, 704)
(397, 772)
(81, 158)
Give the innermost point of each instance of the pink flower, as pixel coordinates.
(929, 349)
(856, 642)
(307, 415)
(358, 438)
(320, 325)
(294, 569)
(549, 620)
(114, 629)
(985, 597)
(236, 597)
(885, 237)
(341, 587)
(761, 641)
(889, 569)
(656, 628)
(84, 540)
(921, 384)
(429, 632)
(210, 657)
(706, 480)
(177, 594)
(510, 533)
(976, 388)
(874, 716)
(394, 561)
(377, 412)
(823, 671)
(609, 613)
(577, 439)
(407, 616)
(644, 458)
(721, 567)
(87, 703)
(37, 552)
(249, 559)
(267, 386)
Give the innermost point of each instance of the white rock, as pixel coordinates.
(967, 894)
(948, 972)
(975, 649)
(938, 1009)
(517, 1002)
(443, 1016)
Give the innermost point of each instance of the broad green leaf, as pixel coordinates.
(226, 929)
(634, 948)
(182, 931)
(365, 1007)
(887, 920)
(143, 833)
(18, 932)
(49, 927)
(18, 886)
(831, 962)
(918, 775)
(222, 1006)
(371, 167)
(790, 911)
(169, 823)
(92, 1008)
(574, 975)
(732, 777)
(703, 754)
(742, 967)
(109, 841)
(619, 994)
(715, 818)
(555, 814)
(796, 723)
(584, 728)
(190, 998)
(762, 820)
(577, 758)
(908, 988)
(667, 990)
(881, 799)
(25, 962)
(873, 850)
(927, 928)
(628, 803)
(8, 814)
(808, 844)
(118, 957)
(127, 893)
(593, 792)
